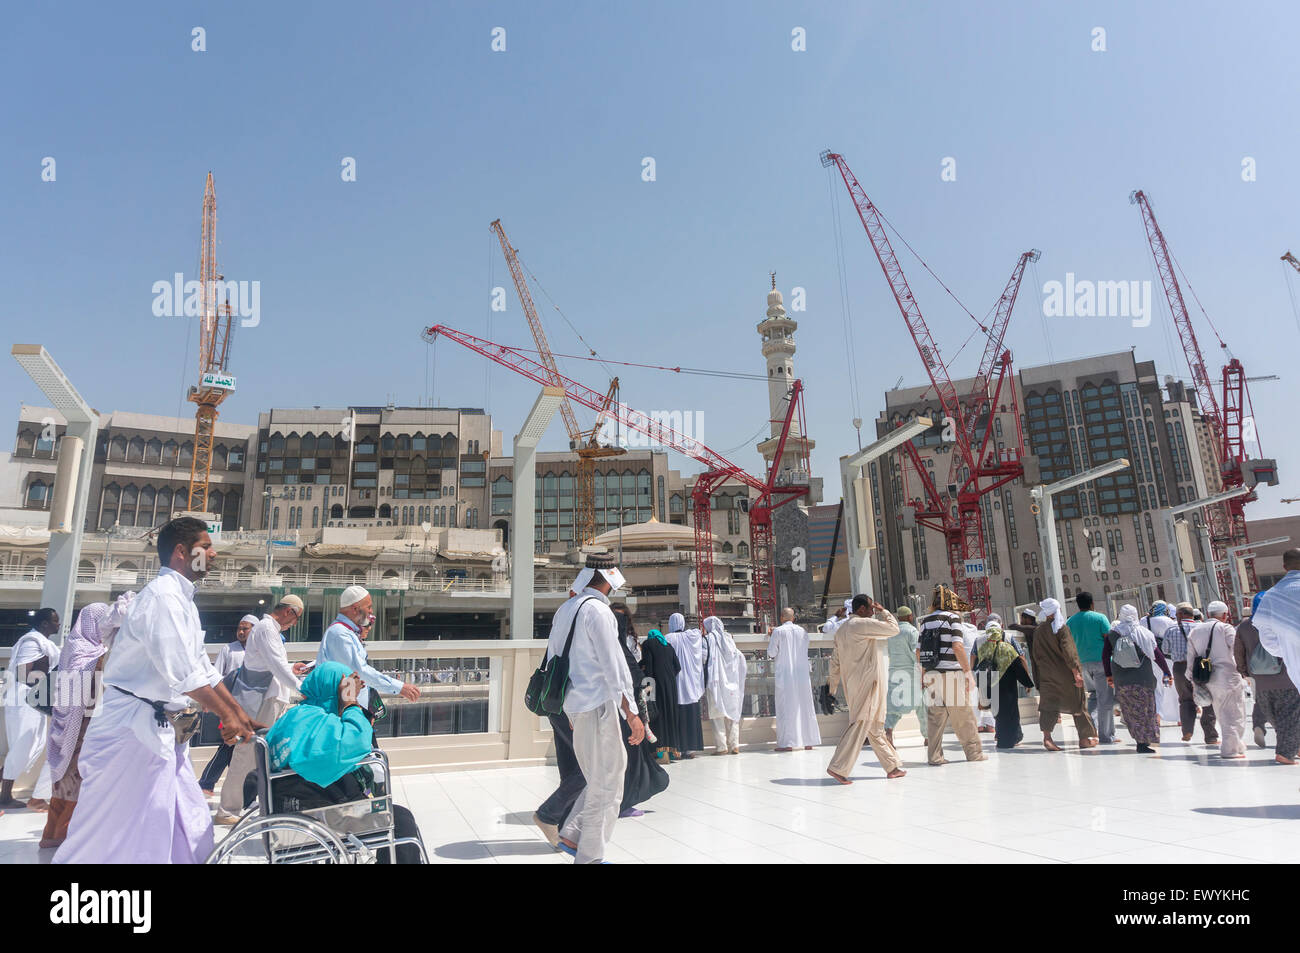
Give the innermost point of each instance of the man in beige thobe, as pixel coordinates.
(860, 663)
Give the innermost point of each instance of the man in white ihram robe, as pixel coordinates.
(838, 619)
(140, 802)
(796, 719)
(25, 727)
(725, 685)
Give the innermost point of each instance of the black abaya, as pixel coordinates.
(660, 663)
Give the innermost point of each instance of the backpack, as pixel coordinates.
(550, 683)
(1263, 662)
(1124, 652)
(1201, 667)
(930, 647)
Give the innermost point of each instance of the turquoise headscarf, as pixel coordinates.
(312, 739)
(658, 637)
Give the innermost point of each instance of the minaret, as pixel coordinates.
(777, 331)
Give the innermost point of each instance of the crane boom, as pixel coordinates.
(998, 329)
(539, 333)
(920, 331)
(1182, 320)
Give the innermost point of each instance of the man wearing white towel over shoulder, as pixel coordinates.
(599, 693)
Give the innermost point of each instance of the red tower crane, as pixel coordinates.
(1227, 422)
(772, 492)
(969, 424)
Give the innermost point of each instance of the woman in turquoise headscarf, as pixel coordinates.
(999, 661)
(321, 740)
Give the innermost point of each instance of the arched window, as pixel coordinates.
(315, 515)
(187, 454)
(38, 495)
(275, 518)
(742, 550)
(117, 449)
(130, 494)
(336, 511)
(726, 548)
(145, 515)
(170, 449)
(385, 511)
(153, 451)
(164, 504)
(308, 444)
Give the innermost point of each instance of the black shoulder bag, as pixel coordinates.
(550, 683)
(1201, 667)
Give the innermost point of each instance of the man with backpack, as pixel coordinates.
(1276, 697)
(948, 683)
(1176, 639)
(1212, 665)
(599, 691)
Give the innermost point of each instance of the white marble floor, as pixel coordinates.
(1105, 805)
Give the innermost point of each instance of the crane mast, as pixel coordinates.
(215, 323)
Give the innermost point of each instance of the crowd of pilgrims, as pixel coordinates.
(120, 787)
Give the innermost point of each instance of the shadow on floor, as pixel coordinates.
(479, 850)
(1277, 812)
(820, 782)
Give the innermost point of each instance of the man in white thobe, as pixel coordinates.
(140, 802)
(600, 692)
(25, 727)
(1214, 639)
(796, 719)
(838, 619)
(265, 684)
(228, 660)
(231, 655)
(724, 685)
(688, 644)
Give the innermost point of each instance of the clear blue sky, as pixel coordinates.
(1049, 139)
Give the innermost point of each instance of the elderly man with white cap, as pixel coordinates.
(1214, 639)
(263, 685)
(344, 642)
(600, 692)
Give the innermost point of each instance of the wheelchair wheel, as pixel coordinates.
(281, 839)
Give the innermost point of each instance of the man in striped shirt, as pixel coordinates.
(950, 694)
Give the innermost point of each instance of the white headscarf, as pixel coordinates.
(250, 619)
(1142, 637)
(1050, 607)
(726, 687)
(676, 622)
(1216, 608)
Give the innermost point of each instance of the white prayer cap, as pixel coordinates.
(676, 622)
(1216, 608)
(250, 619)
(1128, 613)
(583, 580)
(351, 596)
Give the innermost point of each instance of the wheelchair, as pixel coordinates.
(353, 832)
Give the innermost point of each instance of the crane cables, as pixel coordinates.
(846, 317)
(1288, 272)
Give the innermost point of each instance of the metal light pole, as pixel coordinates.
(524, 492)
(621, 514)
(1046, 518)
(1182, 588)
(1236, 552)
(856, 495)
(401, 595)
(71, 482)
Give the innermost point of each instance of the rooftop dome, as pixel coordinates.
(650, 535)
